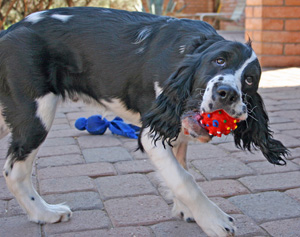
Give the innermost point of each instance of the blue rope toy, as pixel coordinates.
(97, 125)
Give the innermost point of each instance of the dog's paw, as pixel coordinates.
(215, 222)
(52, 214)
(181, 210)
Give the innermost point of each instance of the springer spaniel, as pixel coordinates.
(158, 72)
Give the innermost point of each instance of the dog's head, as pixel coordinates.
(217, 74)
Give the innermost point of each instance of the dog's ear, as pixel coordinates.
(255, 132)
(164, 117)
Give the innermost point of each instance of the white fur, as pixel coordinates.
(46, 107)
(157, 88)
(208, 216)
(18, 180)
(233, 80)
(143, 34)
(182, 49)
(35, 17)
(63, 18)
(239, 72)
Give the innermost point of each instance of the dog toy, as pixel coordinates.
(96, 125)
(218, 123)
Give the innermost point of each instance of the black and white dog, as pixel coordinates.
(154, 71)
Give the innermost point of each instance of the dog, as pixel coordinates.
(157, 72)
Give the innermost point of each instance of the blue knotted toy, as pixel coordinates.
(97, 125)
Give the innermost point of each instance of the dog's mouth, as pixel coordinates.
(192, 126)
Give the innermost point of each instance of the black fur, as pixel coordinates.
(164, 117)
(255, 132)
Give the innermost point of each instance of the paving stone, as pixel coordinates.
(81, 114)
(266, 167)
(278, 121)
(124, 186)
(4, 142)
(155, 179)
(91, 141)
(80, 221)
(247, 157)
(108, 154)
(196, 174)
(17, 226)
(296, 161)
(205, 151)
(267, 206)
(62, 141)
(223, 188)
(225, 205)
(247, 227)
(176, 229)
(132, 148)
(222, 168)
(280, 181)
(14, 208)
(91, 170)
(229, 147)
(165, 193)
(141, 210)
(288, 141)
(77, 201)
(3, 154)
(66, 133)
(3, 207)
(138, 231)
(56, 127)
(293, 133)
(60, 121)
(61, 160)
(66, 184)
(286, 228)
(4, 192)
(58, 150)
(135, 166)
(294, 193)
(295, 153)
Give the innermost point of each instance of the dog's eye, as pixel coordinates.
(220, 61)
(249, 81)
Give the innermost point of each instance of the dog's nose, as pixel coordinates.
(226, 94)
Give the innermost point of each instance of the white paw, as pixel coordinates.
(51, 214)
(181, 210)
(215, 222)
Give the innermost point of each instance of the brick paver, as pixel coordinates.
(286, 228)
(124, 186)
(113, 190)
(267, 206)
(80, 221)
(141, 210)
(108, 154)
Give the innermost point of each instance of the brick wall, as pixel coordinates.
(274, 27)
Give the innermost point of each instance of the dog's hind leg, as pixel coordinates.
(30, 123)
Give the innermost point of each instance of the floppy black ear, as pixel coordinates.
(255, 132)
(163, 118)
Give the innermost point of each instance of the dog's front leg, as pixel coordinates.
(208, 216)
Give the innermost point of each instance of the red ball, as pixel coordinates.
(218, 123)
